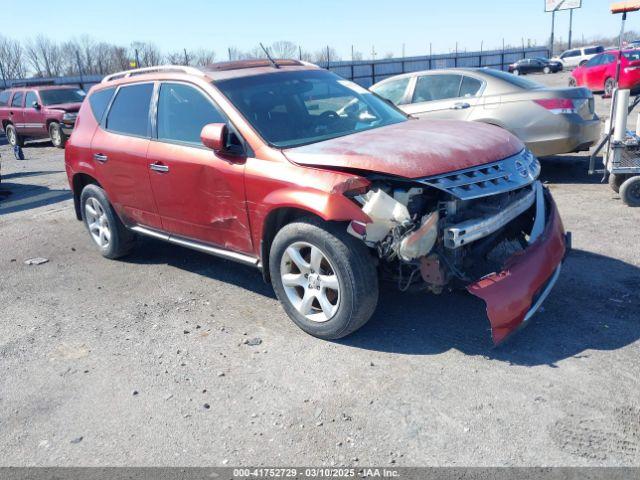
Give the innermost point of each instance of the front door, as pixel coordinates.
(16, 111)
(199, 194)
(446, 96)
(32, 117)
(119, 149)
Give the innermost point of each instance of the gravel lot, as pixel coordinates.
(144, 361)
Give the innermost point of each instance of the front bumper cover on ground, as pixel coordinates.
(515, 293)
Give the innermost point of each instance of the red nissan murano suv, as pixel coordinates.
(322, 185)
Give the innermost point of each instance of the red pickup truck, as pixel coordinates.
(39, 112)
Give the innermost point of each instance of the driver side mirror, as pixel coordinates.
(213, 136)
(35, 105)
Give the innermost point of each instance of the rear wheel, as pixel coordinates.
(325, 279)
(609, 85)
(106, 230)
(615, 181)
(58, 138)
(13, 137)
(572, 82)
(630, 191)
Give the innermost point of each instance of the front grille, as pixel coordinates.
(494, 178)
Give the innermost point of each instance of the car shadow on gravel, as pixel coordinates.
(569, 169)
(17, 197)
(150, 251)
(594, 306)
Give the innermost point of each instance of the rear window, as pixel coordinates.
(129, 113)
(517, 81)
(4, 98)
(593, 50)
(99, 102)
(631, 56)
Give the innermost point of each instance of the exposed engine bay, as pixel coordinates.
(451, 230)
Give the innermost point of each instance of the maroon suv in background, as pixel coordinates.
(39, 112)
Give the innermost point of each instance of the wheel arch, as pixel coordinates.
(79, 181)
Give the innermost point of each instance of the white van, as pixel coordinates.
(577, 56)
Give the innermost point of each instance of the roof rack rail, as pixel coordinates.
(159, 68)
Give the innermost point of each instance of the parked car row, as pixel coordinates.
(535, 65)
(599, 73)
(39, 112)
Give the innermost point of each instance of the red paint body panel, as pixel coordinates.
(412, 149)
(595, 76)
(510, 293)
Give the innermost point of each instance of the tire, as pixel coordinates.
(615, 181)
(516, 72)
(345, 260)
(572, 82)
(120, 241)
(609, 85)
(58, 138)
(546, 70)
(581, 64)
(13, 137)
(630, 192)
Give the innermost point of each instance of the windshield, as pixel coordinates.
(513, 79)
(296, 108)
(64, 95)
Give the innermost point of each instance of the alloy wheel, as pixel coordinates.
(97, 222)
(56, 138)
(310, 281)
(11, 136)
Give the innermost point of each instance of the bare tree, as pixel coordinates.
(45, 56)
(327, 54)
(204, 57)
(284, 49)
(148, 54)
(12, 58)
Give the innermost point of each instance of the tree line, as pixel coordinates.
(41, 56)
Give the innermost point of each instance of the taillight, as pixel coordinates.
(557, 105)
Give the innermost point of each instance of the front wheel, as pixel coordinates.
(630, 192)
(572, 82)
(58, 138)
(107, 231)
(546, 70)
(609, 85)
(516, 72)
(325, 279)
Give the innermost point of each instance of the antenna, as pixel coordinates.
(273, 62)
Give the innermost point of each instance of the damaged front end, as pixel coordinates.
(492, 229)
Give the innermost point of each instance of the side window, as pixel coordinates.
(394, 90)
(183, 111)
(436, 87)
(31, 97)
(470, 87)
(607, 59)
(129, 112)
(99, 102)
(4, 98)
(17, 99)
(570, 53)
(597, 60)
(593, 50)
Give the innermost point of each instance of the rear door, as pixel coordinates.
(571, 58)
(444, 95)
(119, 149)
(199, 193)
(32, 116)
(594, 71)
(16, 111)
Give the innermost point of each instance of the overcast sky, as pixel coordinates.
(174, 25)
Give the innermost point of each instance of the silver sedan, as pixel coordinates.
(548, 120)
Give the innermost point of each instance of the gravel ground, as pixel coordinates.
(150, 360)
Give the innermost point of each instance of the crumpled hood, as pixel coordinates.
(65, 107)
(412, 149)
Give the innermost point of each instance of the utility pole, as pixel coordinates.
(403, 51)
(137, 59)
(229, 53)
(80, 69)
(373, 52)
(570, 27)
(186, 57)
(352, 54)
(328, 59)
(299, 52)
(4, 79)
(553, 27)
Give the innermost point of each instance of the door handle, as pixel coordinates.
(460, 106)
(99, 157)
(158, 167)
